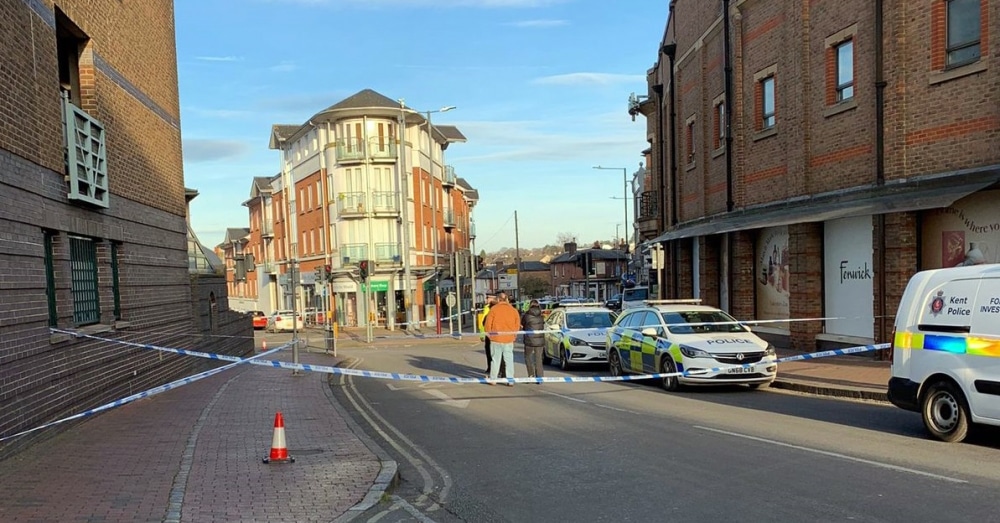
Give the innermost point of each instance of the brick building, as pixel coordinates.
(344, 168)
(810, 156)
(94, 234)
(604, 281)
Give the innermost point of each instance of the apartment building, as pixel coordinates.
(363, 180)
(94, 234)
(811, 156)
(607, 268)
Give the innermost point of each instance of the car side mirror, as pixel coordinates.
(650, 331)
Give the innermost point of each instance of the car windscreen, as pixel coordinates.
(589, 320)
(636, 294)
(701, 322)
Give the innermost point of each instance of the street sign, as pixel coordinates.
(451, 300)
(376, 286)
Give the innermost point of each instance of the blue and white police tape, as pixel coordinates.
(569, 379)
(153, 391)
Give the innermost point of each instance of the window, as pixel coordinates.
(845, 70)
(719, 125)
(83, 263)
(766, 101)
(115, 289)
(963, 32)
(689, 133)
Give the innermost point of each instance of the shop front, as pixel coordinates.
(848, 281)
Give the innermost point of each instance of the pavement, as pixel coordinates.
(195, 453)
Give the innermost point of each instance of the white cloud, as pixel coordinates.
(590, 79)
(219, 58)
(209, 150)
(539, 23)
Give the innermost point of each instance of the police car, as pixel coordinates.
(575, 333)
(667, 336)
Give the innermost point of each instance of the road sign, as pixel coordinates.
(451, 300)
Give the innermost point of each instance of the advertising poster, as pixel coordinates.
(966, 233)
(771, 280)
(849, 276)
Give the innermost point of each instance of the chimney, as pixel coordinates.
(570, 247)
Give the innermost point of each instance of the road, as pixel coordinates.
(631, 452)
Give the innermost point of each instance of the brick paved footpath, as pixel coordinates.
(194, 454)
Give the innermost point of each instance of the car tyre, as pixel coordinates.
(615, 364)
(546, 359)
(669, 383)
(945, 412)
(564, 363)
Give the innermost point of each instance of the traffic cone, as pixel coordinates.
(263, 346)
(279, 452)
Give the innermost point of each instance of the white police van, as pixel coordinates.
(946, 349)
(635, 297)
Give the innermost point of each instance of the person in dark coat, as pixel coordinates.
(534, 343)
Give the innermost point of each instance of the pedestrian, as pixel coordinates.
(534, 343)
(502, 322)
(483, 337)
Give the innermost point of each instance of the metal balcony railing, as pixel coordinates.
(350, 150)
(268, 267)
(649, 204)
(352, 253)
(351, 204)
(387, 253)
(472, 230)
(382, 148)
(448, 179)
(385, 202)
(267, 230)
(449, 218)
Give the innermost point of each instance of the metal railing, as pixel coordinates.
(387, 253)
(385, 202)
(352, 253)
(267, 229)
(448, 178)
(449, 218)
(351, 203)
(472, 230)
(350, 150)
(383, 148)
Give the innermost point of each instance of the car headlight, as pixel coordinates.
(578, 342)
(770, 351)
(691, 352)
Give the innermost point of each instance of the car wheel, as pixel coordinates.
(945, 413)
(615, 362)
(546, 359)
(669, 383)
(564, 363)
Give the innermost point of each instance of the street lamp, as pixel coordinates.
(624, 193)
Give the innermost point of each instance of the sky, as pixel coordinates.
(540, 88)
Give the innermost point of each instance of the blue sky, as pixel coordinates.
(541, 89)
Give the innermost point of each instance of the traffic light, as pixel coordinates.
(479, 263)
(319, 274)
(363, 269)
(329, 273)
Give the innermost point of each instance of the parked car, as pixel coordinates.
(259, 319)
(575, 333)
(281, 321)
(614, 302)
(668, 336)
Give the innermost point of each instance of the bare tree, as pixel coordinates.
(565, 237)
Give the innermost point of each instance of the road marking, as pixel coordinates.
(609, 407)
(446, 399)
(393, 387)
(835, 455)
(578, 400)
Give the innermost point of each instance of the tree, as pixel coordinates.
(564, 237)
(534, 286)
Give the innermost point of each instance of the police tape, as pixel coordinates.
(456, 380)
(155, 390)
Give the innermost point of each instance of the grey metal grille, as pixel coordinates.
(86, 298)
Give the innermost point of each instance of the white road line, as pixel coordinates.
(835, 455)
(578, 400)
(609, 407)
(461, 404)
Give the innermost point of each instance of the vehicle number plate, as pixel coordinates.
(739, 370)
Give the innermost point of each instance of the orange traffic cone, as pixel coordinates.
(279, 452)
(263, 346)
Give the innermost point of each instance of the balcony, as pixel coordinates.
(448, 180)
(449, 219)
(352, 253)
(350, 150)
(351, 204)
(385, 203)
(267, 230)
(382, 149)
(387, 254)
(472, 230)
(268, 267)
(86, 156)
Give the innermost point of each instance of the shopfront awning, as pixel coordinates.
(915, 194)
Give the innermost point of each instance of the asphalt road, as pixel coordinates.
(631, 452)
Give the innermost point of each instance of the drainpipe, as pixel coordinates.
(880, 228)
(662, 189)
(728, 59)
(671, 50)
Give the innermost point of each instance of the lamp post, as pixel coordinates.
(624, 193)
(430, 159)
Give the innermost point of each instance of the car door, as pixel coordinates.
(553, 333)
(618, 340)
(646, 357)
(632, 338)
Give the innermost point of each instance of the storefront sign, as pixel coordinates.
(344, 286)
(966, 233)
(377, 286)
(848, 276)
(771, 279)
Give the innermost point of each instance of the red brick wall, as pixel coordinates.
(805, 244)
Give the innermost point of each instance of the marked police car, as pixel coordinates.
(575, 333)
(669, 336)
